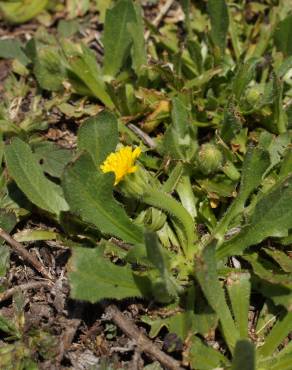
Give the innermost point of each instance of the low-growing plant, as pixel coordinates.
(183, 183)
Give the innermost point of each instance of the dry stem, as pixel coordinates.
(143, 343)
(28, 257)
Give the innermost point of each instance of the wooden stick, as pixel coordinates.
(28, 257)
(67, 338)
(146, 138)
(33, 285)
(161, 14)
(143, 343)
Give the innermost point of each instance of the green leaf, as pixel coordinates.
(29, 177)
(239, 287)
(178, 323)
(4, 259)
(8, 327)
(207, 276)
(203, 357)
(52, 157)
(180, 139)
(279, 294)
(16, 356)
(7, 222)
(48, 68)
(244, 75)
(205, 318)
(244, 356)
(102, 6)
(272, 216)
(117, 38)
(281, 258)
(89, 194)
(20, 11)
(84, 72)
(278, 120)
(29, 235)
(99, 136)
(136, 29)
(186, 195)
(165, 288)
(283, 35)
(12, 49)
(77, 8)
(93, 278)
(68, 28)
(279, 332)
(255, 164)
(194, 49)
(286, 165)
(276, 146)
(268, 271)
(231, 124)
(186, 7)
(219, 22)
(280, 363)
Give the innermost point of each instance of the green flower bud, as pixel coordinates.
(209, 159)
(136, 184)
(153, 218)
(253, 95)
(231, 171)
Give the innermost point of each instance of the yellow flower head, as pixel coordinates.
(121, 162)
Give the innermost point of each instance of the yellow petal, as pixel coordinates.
(121, 162)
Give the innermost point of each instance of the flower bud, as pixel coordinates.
(136, 184)
(253, 95)
(209, 159)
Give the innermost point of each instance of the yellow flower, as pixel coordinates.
(121, 162)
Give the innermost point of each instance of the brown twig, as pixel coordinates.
(33, 285)
(161, 14)
(21, 251)
(146, 138)
(67, 338)
(143, 343)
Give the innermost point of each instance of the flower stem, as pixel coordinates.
(159, 199)
(234, 210)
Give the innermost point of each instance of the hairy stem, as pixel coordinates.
(159, 199)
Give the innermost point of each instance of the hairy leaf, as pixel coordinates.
(93, 278)
(283, 34)
(272, 216)
(281, 258)
(20, 11)
(117, 38)
(12, 49)
(280, 331)
(255, 164)
(136, 29)
(164, 288)
(180, 137)
(29, 177)
(239, 287)
(52, 157)
(219, 22)
(99, 136)
(244, 356)
(48, 63)
(84, 73)
(89, 194)
(204, 357)
(207, 276)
